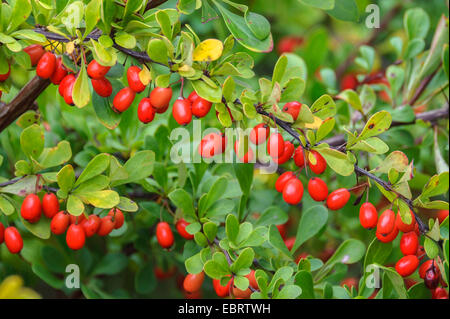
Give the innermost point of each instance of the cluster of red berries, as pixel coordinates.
(164, 233)
(194, 105)
(79, 228)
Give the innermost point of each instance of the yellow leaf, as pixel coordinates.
(208, 50)
(70, 46)
(315, 125)
(145, 75)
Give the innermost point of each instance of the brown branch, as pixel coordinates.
(24, 101)
(376, 32)
(423, 85)
(154, 3)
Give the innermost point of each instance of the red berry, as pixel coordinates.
(442, 215)
(429, 264)
(118, 217)
(35, 51)
(77, 219)
(211, 145)
(282, 229)
(75, 237)
(287, 153)
(241, 294)
(164, 235)
(160, 97)
(389, 237)
(289, 242)
(102, 87)
(123, 99)
(181, 228)
(200, 107)
(107, 225)
(248, 152)
(221, 291)
(292, 108)
(259, 133)
(293, 191)
(289, 44)
(299, 157)
(193, 96)
(282, 180)
(193, 282)
(275, 145)
(182, 112)
(59, 223)
(68, 91)
(164, 274)
(409, 243)
(338, 199)
(91, 225)
(50, 205)
(349, 82)
(320, 165)
(31, 209)
(68, 79)
(60, 72)
(13, 240)
(146, 112)
(318, 189)
(134, 82)
(405, 228)
(350, 282)
(439, 293)
(2, 233)
(368, 216)
(431, 279)
(407, 265)
(46, 65)
(5, 76)
(96, 70)
(386, 222)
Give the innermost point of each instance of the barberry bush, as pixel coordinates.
(224, 149)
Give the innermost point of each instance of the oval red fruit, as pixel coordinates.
(407, 265)
(293, 191)
(248, 156)
(320, 165)
(118, 217)
(164, 235)
(318, 189)
(221, 291)
(75, 237)
(65, 82)
(102, 87)
(97, 71)
(59, 223)
(60, 72)
(338, 199)
(106, 226)
(68, 91)
(160, 97)
(292, 108)
(403, 227)
(442, 215)
(31, 208)
(181, 228)
(91, 225)
(275, 145)
(146, 112)
(389, 237)
(287, 153)
(50, 205)
(193, 282)
(259, 133)
(386, 222)
(282, 180)
(35, 51)
(299, 157)
(212, 144)
(182, 112)
(13, 240)
(193, 96)
(409, 243)
(368, 216)
(200, 107)
(123, 99)
(134, 82)
(46, 65)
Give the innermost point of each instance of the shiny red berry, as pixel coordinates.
(118, 217)
(193, 282)
(211, 145)
(160, 97)
(182, 112)
(69, 90)
(35, 51)
(60, 72)
(13, 240)
(50, 205)
(293, 191)
(123, 99)
(386, 222)
(221, 291)
(405, 228)
(134, 82)
(338, 199)
(317, 189)
(107, 225)
(164, 235)
(91, 225)
(46, 65)
(320, 165)
(442, 215)
(31, 208)
(248, 152)
(287, 153)
(200, 107)
(102, 87)
(389, 237)
(299, 157)
(282, 180)
(292, 108)
(75, 237)
(368, 216)
(59, 223)
(68, 79)
(275, 145)
(409, 243)
(407, 265)
(146, 112)
(97, 71)
(259, 133)
(181, 228)
(193, 96)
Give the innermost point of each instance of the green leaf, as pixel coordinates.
(111, 264)
(95, 167)
(279, 70)
(366, 58)
(289, 292)
(207, 92)
(51, 157)
(127, 205)
(194, 264)
(66, 178)
(311, 222)
(377, 124)
(20, 12)
(210, 230)
(5, 205)
(431, 248)
(244, 260)
(416, 23)
(157, 51)
(272, 215)
(320, 4)
(214, 194)
(419, 291)
(101, 199)
(182, 199)
(75, 206)
(352, 98)
(325, 128)
(345, 10)
(324, 107)
(138, 167)
(276, 240)
(145, 281)
(396, 76)
(125, 40)
(304, 280)
(217, 267)
(338, 162)
(232, 227)
(188, 6)
(244, 174)
(92, 15)
(81, 93)
(32, 141)
(164, 22)
(258, 24)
